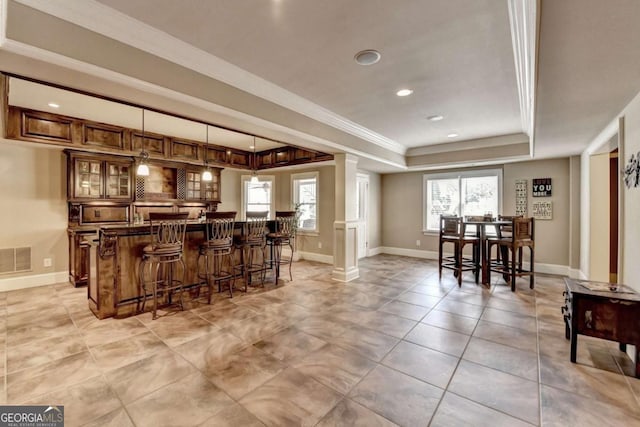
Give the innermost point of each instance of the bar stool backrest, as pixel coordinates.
(168, 230)
(523, 229)
(450, 226)
(286, 223)
(255, 225)
(220, 226)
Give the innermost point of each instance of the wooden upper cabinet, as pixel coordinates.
(39, 126)
(93, 177)
(80, 134)
(153, 144)
(105, 136)
(184, 150)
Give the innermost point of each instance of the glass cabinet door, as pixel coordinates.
(211, 188)
(118, 179)
(193, 185)
(88, 179)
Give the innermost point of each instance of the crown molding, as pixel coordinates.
(524, 23)
(108, 22)
(492, 141)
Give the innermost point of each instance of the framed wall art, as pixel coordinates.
(521, 197)
(542, 210)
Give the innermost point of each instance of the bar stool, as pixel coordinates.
(523, 235)
(453, 230)
(164, 252)
(252, 244)
(216, 251)
(283, 235)
(502, 231)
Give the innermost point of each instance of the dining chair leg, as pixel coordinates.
(513, 270)
(531, 268)
(459, 263)
(440, 260)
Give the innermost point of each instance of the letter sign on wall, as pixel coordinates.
(541, 187)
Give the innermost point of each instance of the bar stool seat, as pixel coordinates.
(162, 255)
(217, 250)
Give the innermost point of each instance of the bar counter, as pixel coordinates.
(114, 261)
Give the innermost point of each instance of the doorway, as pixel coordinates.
(604, 213)
(362, 209)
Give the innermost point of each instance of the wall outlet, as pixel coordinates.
(417, 242)
(319, 245)
(47, 262)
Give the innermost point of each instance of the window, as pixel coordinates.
(461, 193)
(305, 196)
(258, 196)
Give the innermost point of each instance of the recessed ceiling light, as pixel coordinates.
(436, 118)
(251, 147)
(452, 135)
(53, 105)
(404, 92)
(367, 57)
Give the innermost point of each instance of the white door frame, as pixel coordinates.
(363, 214)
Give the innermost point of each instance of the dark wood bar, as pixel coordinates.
(114, 288)
(114, 265)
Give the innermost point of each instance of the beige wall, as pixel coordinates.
(599, 208)
(552, 236)
(33, 211)
(326, 213)
(574, 206)
(230, 194)
(402, 210)
(375, 210)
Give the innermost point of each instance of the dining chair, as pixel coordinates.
(512, 265)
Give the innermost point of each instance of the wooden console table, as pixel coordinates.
(602, 310)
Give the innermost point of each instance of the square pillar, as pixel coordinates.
(345, 232)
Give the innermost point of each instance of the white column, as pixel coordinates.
(345, 226)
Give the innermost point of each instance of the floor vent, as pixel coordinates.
(13, 260)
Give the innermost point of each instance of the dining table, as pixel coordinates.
(481, 232)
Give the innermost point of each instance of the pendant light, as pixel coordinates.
(207, 175)
(254, 172)
(143, 167)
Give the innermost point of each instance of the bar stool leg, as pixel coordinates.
(140, 307)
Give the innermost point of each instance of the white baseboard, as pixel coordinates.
(575, 273)
(32, 281)
(374, 251)
(415, 253)
(345, 276)
(561, 270)
(312, 256)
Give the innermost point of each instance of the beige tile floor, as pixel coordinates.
(398, 346)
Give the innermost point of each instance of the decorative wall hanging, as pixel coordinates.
(632, 171)
(542, 210)
(541, 187)
(521, 197)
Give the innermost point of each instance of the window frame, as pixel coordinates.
(244, 179)
(477, 173)
(295, 197)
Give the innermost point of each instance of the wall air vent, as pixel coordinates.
(14, 260)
